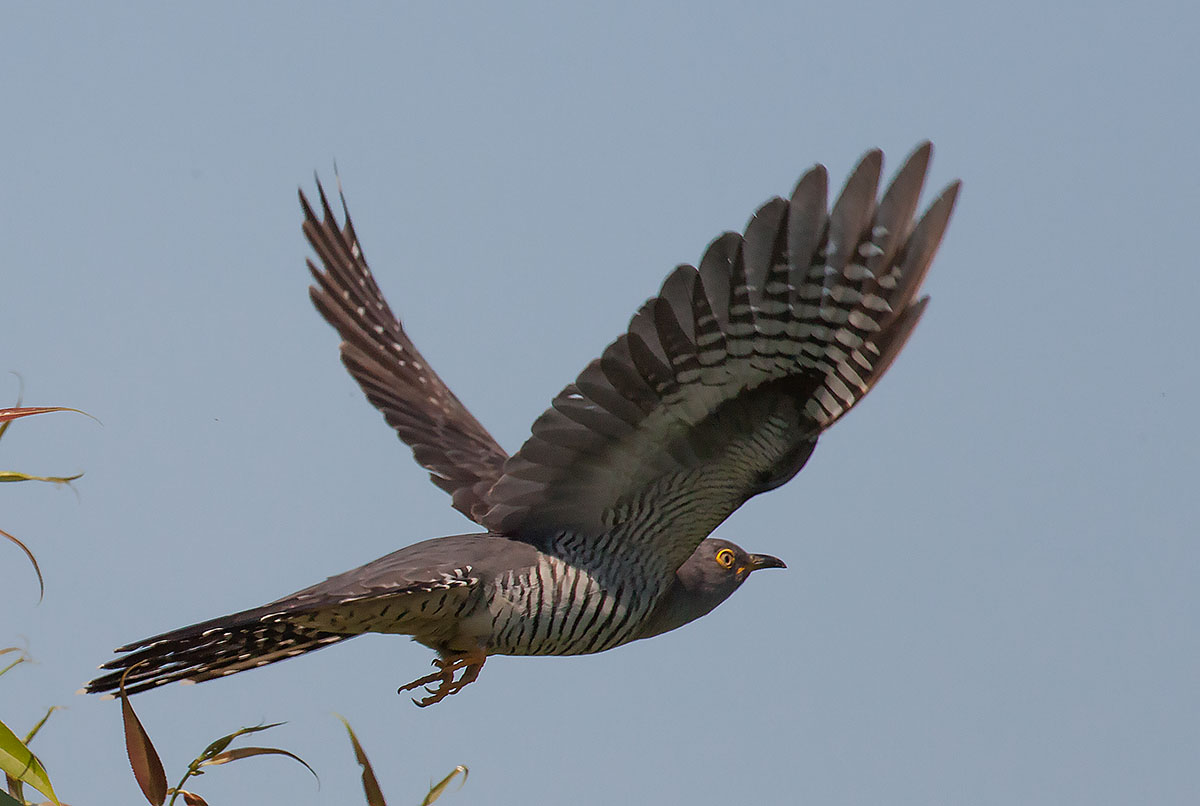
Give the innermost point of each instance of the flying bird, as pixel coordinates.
(596, 532)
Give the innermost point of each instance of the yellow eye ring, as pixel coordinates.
(725, 558)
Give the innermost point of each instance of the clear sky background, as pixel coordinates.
(992, 593)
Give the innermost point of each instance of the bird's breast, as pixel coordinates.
(560, 607)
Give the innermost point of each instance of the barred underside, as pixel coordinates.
(559, 608)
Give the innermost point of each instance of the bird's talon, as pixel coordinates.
(441, 684)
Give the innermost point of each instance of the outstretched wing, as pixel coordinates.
(461, 456)
(724, 381)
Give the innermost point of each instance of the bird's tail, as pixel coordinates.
(214, 648)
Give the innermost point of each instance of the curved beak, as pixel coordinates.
(760, 561)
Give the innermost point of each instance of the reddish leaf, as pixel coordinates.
(192, 799)
(13, 414)
(32, 560)
(143, 758)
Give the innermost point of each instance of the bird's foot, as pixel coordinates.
(469, 663)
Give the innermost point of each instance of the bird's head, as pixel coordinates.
(710, 576)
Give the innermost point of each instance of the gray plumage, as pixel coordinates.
(597, 528)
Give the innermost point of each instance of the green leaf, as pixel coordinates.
(12, 475)
(370, 784)
(22, 765)
(41, 723)
(20, 659)
(9, 800)
(220, 744)
(437, 789)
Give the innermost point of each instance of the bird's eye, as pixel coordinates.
(725, 558)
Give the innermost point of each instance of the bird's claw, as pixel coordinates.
(441, 684)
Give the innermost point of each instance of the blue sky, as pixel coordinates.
(991, 596)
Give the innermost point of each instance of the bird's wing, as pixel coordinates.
(461, 456)
(723, 382)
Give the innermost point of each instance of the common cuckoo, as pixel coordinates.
(596, 530)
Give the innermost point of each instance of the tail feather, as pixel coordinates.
(211, 649)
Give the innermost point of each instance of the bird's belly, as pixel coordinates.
(432, 618)
(568, 611)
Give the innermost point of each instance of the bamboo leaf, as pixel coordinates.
(220, 744)
(17, 762)
(22, 658)
(437, 789)
(247, 752)
(33, 560)
(34, 730)
(370, 784)
(143, 758)
(20, 393)
(7, 415)
(13, 475)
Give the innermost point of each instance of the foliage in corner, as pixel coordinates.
(7, 416)
(18, 763)
(21, 767)
(148, 768)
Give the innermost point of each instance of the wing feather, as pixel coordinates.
(461, 456)
(723, 382)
